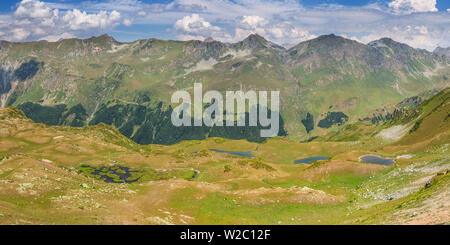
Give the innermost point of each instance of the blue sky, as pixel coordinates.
(419, 23)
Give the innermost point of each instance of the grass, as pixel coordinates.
(225, 209)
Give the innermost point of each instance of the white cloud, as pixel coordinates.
(38, 31)
(250, 25)
(421, 29)
(35, 20)
(287, 22)
(415, 36)
(127, 22)
(253, 21)
(19, 34)
(33, 9)
(281, 21)
(78, 20)
(412, 6)
(286, 33)
(281, 32)
(194, 24)
(195, 27)
(54, 38)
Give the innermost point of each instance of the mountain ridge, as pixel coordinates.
(94, 74)
(210, 39)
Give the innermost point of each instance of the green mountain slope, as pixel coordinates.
(415, 122)
(432, 122)
(324, 83)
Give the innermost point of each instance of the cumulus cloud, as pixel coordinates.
(33, 9)
(19, 33)
(253, 21)
(31, 12)
(127, 22)
(195, 24)
(54, 38)
(195, 27)
(78, 20)
(411, 6)
(250, 25)
(37, 20)
(287, 22)
(415, 36)
(283, 32)
(280, 21)
(287, 33)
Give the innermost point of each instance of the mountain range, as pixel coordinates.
(324, 83)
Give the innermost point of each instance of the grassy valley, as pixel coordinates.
(96, 175)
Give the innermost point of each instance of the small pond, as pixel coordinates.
(310, 160)
(237, 153)
(116, 174)
(376, 160)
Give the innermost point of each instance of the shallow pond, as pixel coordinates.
(376, 160)
(237, 153)
(310, 160)
(116, 174)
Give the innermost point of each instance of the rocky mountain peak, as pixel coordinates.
(105, 38)
(254, 41)
(209, 40)
(388, 42)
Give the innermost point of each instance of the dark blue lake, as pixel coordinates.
(310, 160)
(376, 160)
(237, 153)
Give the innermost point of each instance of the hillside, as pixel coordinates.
(95, 175)
(432, 121)
(324, 82)
(414, 119)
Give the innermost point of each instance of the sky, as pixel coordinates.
(418, 23)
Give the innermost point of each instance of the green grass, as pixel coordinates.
(225, 209)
